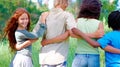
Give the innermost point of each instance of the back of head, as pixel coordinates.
(114, 20)
(62, 3)
(90, 9)
(12, 25)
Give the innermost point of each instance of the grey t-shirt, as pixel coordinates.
(23, 35)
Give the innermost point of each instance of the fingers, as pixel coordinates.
(43, 17)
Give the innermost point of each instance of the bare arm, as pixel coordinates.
(84, 36)
(95, 43)
(73, 35)
(112, 49)
(25, 44)
(29, 42)
(99, 33)
(57, 39)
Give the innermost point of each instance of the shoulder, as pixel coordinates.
(68, 14)
(81, 19)
(20, 32)
(96, 20)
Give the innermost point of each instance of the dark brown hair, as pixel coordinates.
(12, 25)
(90, 9)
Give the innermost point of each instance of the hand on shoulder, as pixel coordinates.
(44, 16)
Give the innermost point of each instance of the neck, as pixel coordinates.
(59, 7)
(20, 28)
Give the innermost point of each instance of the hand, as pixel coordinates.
(75, 31)
(43, 17)
(44, 42)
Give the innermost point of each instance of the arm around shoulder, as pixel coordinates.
(56, 39)
(84, 36)
(98, 33)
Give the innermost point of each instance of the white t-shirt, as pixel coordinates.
(58, 21)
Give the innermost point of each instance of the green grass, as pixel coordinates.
(6, 55)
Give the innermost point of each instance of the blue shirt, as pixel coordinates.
(112, 39)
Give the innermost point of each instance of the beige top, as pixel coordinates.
(58, 21)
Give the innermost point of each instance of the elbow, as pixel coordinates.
(95, 44)
(17, 48)
(101, 34)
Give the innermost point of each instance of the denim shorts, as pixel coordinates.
(57, 65)
(86, 60)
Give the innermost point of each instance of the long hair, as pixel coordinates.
(12, 25)
(90, 9)
(114, 20)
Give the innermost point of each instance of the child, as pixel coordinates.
(58, 22)
(88, 22)
(110, 42)
(17, 31)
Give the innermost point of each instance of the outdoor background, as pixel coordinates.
(35, 9)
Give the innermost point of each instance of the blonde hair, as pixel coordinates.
(61, 3)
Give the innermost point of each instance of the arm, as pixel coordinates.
(42, 20)
(99, 33)
(57, 39)
(32, 35)
(95, 43)
(84, 36)
(71, 23)
(25, 44)
(73, 35)
(39, 29)
(112, 49)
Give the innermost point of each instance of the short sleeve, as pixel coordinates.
(104, 41)
(70, 21)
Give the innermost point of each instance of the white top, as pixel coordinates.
(58, 21)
